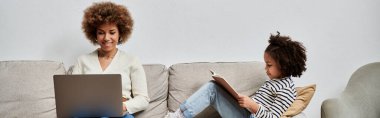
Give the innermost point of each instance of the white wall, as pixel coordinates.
(340, 35)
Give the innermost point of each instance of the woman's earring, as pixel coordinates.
(119, 40)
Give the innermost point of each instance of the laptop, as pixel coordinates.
(91, 95)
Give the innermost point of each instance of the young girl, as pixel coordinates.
(284, 59)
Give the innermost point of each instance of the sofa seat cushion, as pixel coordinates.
(186, 78)
(27, 88)
(157, 81)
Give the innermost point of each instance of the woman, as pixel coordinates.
(107, 24)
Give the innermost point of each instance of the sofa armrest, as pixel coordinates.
(330, 108)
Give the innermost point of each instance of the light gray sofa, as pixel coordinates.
(27, 90)
(361, 97)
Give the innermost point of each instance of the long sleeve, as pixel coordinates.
(75, 69)
(274, 98)
(140, 100)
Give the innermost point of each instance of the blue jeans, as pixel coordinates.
(213, 95)
(128, 116)
(125, 116)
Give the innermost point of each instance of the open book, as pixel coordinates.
(223, 83)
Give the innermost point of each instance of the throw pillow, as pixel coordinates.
(304, 95)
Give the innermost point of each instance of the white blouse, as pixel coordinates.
(132, 73)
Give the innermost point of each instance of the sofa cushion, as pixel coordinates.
(186, 78)
(157, 79)
(27, 88)
(304, 95)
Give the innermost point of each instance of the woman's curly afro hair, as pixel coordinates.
(107, 12)
(289, 55)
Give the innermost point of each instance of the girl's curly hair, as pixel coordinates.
(107, 12)
(289, 55)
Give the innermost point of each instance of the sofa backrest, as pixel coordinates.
(26, 88)
(157, 79)
(186, 78)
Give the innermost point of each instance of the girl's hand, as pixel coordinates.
(245, 101)
(248, 103)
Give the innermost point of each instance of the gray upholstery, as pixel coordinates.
(27, 88)
(157, 79)
(186, 78)
(360, 99)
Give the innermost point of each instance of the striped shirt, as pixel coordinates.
(274, 97)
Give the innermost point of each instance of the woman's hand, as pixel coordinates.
(125, 99)
(124, 106)
(248, 103)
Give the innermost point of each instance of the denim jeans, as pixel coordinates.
(127, 115)
(213, 95)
